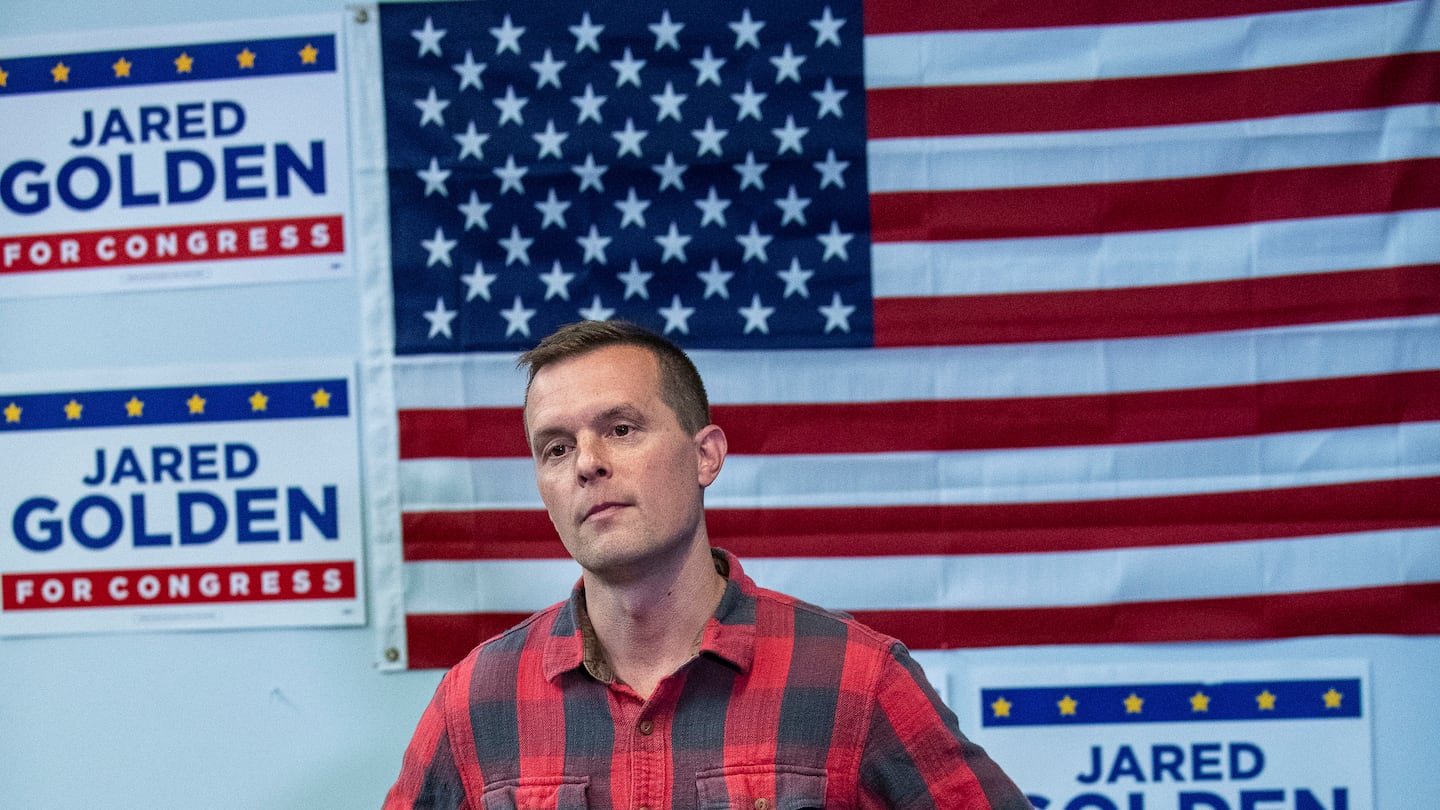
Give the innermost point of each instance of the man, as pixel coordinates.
(668, 679)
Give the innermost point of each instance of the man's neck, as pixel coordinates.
(650, 628)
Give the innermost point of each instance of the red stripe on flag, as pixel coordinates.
(982, 424)
(439, 640)
(462, 433)
(973, 529)
(1149, 101)
(906, 16)
(1393, 609)
(1153, 205)
(1148, 416)
(1180, 309)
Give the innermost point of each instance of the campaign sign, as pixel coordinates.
(173, 156)
(1192, 736)
(196, 499)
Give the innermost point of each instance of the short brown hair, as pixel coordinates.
(680, 385)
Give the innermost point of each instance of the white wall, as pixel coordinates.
(245, 719)
(300, 718)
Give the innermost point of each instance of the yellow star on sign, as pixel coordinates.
(1266, 701)
(134, 407)
(1067, 705)
(1332, 699)
(122, 68)
(61, 72)
(184, 62)
(246, 58)
(72, 410)
(258, 401)
(196, 404)
(321, 398)
(1133, 703)
(1199, 702)
(308, 54)
(1001, 707)
(12, 412)
(4, 77)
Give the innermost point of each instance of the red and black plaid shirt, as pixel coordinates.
(785, 706)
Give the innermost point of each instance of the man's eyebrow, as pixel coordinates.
(626, 412)
(539, 438)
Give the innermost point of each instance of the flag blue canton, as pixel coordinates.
(695, 168)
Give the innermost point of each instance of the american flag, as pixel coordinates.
(1028, 323)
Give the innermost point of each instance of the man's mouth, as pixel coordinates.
(603, 509)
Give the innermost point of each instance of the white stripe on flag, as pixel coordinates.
(1249, 568)
(1153, 153)
(1083, 53)
(983, 372)
(1117, 261)
(1029, 475)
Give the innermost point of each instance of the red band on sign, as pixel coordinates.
(144, 587)
(169, 244)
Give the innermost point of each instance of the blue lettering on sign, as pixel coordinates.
(98, 521)
(85, 182)
(166, 461)
(1267, 799)
(1244, 760)
(226, 118)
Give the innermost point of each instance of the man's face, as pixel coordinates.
(621, 479)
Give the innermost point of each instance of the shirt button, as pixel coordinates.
(645, 728)
(762, 804)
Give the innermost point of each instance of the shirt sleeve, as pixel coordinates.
(916, 758)
(429, 775)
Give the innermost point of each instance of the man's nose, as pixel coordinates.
(591, 461)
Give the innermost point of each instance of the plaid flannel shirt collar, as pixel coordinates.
(729, 635)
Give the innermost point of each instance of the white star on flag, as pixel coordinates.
(754, 243)
(429, 38)
(632, 209)
(470, 71)
(637, 281)
(434, 178)
(837, 314)
(440, 318)
(517, 318)
(557, 282)
(471, 142)
(827, 28)
(439, 248)
(478, 283)
(757, 316)
(597, 311)
(673, 243)
(746, 31)
(677, 316)
(507, 37)
(432, 109)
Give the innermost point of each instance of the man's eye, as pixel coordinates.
(622, 430)
(555, 450)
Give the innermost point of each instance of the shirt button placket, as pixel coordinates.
(649, 753)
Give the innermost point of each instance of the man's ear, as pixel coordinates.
(711, 447)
